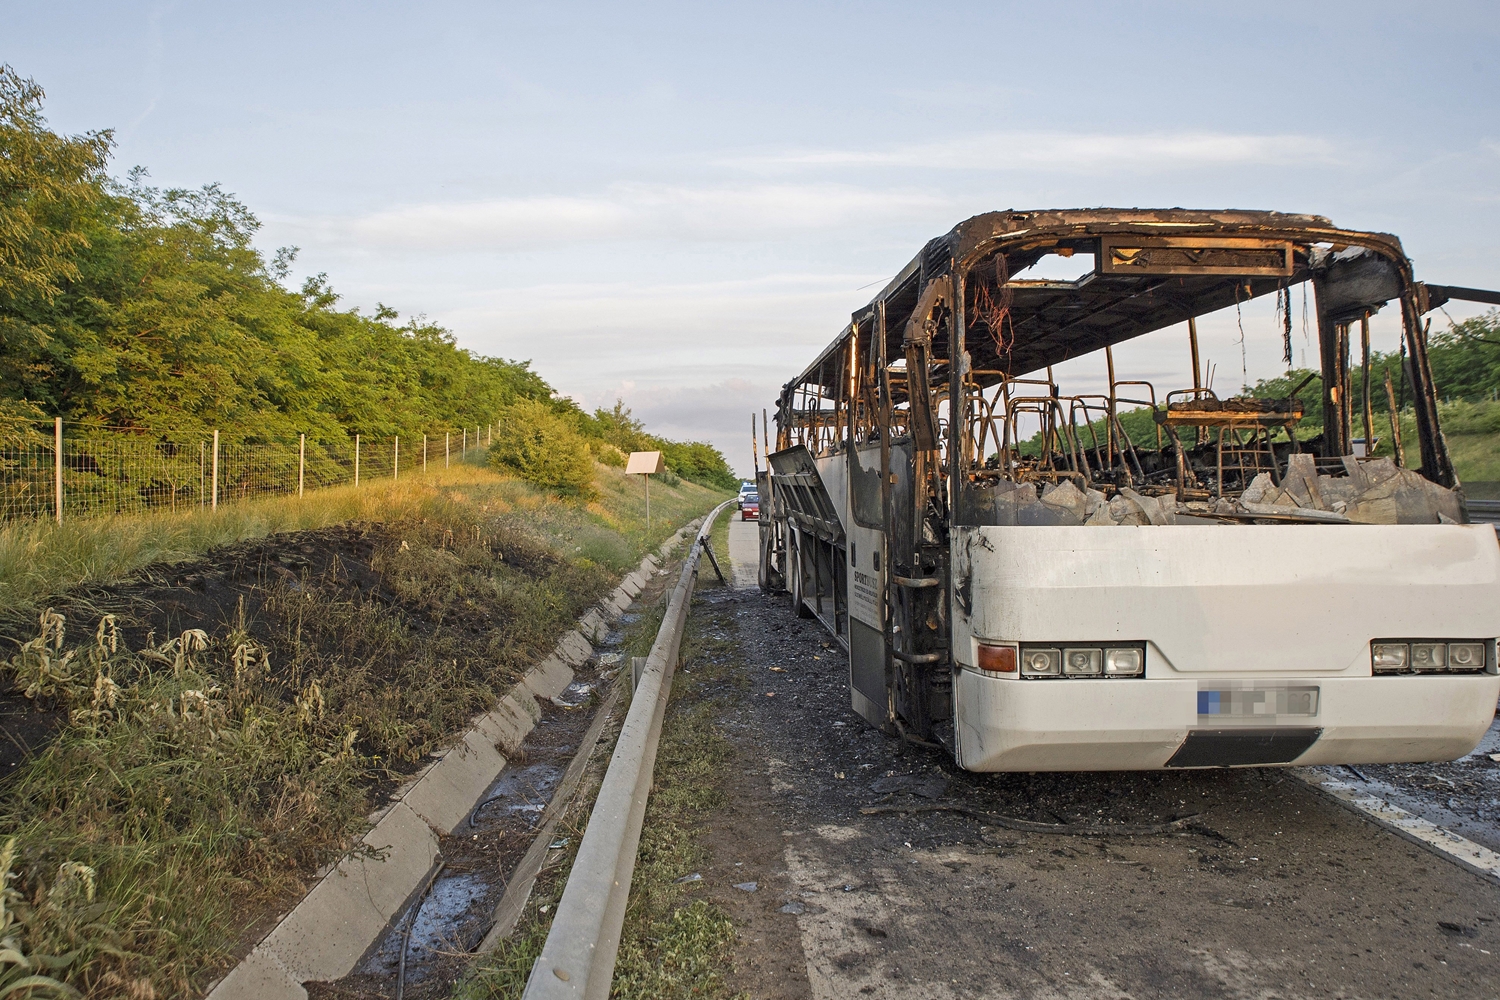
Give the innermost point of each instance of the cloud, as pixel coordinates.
(623, 212)
(1072, 152)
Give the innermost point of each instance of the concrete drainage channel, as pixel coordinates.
(578, 958)
(409, 898)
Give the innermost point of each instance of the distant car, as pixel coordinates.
(750, 507)
(746, 489)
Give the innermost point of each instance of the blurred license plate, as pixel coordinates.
(1222, 702)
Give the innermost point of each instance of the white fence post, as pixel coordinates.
(447, 448)
(396, 460)
(301, 462)
(356, 460)
(463, 450)
(214, 502)
(424, 452)
(57, 465)
(489, 435)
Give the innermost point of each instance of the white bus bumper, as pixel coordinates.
(1140, 723)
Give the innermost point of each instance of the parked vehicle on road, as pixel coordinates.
(750, 507)
(1016, 576)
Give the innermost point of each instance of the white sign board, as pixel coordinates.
(644, 463)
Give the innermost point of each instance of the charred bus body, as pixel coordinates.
(1259, 599)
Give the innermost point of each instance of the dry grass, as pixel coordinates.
(201, 779)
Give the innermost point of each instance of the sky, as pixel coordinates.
(680, 205)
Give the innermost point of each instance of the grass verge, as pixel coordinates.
(40, 560)
(673, 946)
(222, 727)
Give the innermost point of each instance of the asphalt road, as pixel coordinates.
(1271, 891)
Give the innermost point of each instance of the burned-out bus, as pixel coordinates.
(1018, 578)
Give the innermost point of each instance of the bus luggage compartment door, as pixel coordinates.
(865, 545)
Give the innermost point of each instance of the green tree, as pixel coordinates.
(542, 448)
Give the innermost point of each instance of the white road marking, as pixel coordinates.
(1423, 832)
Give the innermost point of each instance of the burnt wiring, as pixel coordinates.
(994, 310)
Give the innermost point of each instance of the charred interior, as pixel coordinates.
(954, 325)
(936, 408)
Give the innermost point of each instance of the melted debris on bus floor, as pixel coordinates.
(1271, 889)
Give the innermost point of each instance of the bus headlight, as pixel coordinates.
(1465, 656)
(1428, 656)
(1041, 662)
(1083, 661)
(1123, 662)
(1389, 657)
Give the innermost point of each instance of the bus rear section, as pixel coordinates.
(1204, 645)
(1046, 575)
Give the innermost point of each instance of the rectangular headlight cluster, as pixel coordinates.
(1411, 656)
(1083, 661)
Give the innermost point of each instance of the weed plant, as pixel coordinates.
(203, 778)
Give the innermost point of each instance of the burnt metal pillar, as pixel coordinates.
(1335, 404)
(1437, 465)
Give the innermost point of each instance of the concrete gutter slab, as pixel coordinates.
(351, 905)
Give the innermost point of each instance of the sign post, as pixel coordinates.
(645, 464)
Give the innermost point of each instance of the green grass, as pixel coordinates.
(673, 946)
(201, 783)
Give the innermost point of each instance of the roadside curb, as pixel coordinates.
(350, 904)
(1423, 832)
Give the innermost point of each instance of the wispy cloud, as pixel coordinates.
(1070, 152)
(623, 212)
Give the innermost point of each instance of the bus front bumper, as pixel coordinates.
(1007, 724)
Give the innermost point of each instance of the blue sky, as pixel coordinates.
(679, 205)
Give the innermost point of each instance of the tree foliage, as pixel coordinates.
(542, 447)
(128, 305)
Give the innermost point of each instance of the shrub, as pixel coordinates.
(539, 446)
(607, 454)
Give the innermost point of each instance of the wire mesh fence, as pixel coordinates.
(59, 472)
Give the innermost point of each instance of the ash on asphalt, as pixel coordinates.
(1272, 890)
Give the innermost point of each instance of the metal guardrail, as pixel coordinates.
(578, 958)
(1484, 510)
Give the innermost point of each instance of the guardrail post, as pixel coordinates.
(214, 481)
(57, 464)
(301, 462)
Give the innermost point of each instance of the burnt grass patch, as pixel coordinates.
(186, 748)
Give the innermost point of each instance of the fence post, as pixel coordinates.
(489, 435)
(57, 465)
(447, 448)
(214, 502)
(396, 460)
(301, 463)
(463, 450)
(202, 472)
(356, 460)
(424, 452)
